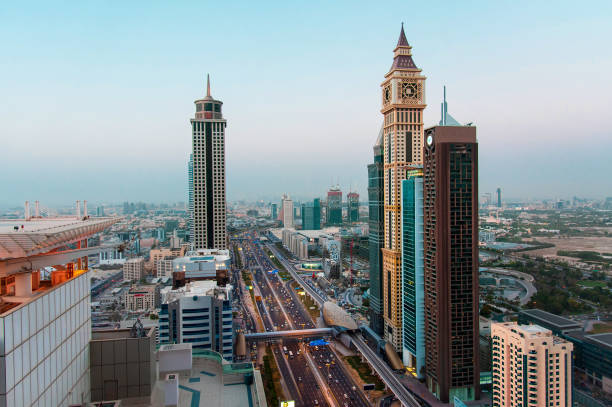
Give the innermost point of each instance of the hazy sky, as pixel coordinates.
(97, 96)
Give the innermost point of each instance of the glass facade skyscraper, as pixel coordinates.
(311, 215)
(375, 237)
(413, 331)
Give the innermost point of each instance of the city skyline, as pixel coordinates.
(515, 83)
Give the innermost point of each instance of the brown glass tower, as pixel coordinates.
(450, 248)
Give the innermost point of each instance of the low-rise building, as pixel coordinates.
(164, 267)
(133, 269)
(142, 297)
(202, 264)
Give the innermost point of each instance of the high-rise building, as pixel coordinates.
(273, 211)
(375, 235)
(311, 215)
(334, 206)
(190, 195)
(413, 294)
(209, 205)
(450, 252)
(531, 367)
(498, 192)
(287, 211)
(403, 101)
(199, 313)
(352, 200)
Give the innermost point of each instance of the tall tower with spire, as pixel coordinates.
(208, 174)
(403, 102)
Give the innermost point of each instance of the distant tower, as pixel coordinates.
(499, 205)
(209, 204)
(287, 212)
(334, 206)
(190, 195)
(403, 101)
(352, 200)
(446, 119)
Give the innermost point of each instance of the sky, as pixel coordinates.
(97, 96)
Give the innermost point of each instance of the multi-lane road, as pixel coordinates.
(382, 369)
(316, 376)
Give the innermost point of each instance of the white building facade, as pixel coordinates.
(44, 348)
(287, 212)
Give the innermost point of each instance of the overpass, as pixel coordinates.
(297, 333)
(386, 374)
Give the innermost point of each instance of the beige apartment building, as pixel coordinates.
(142, 297)
(530, 367)
(133, 269)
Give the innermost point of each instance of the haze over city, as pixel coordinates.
(108, 90)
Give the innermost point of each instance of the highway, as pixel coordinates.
(302, 384)
(382, 369)
(333, 385)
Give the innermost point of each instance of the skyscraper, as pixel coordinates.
(352, 200)
(450, 252)
(413, 294)
(273, 211)
(209, 206)
(311, 215)
(375, 236)
(190, 195)
(499, 205)
(531, 367)
(403, 101)
(287, 212)
(334, 206)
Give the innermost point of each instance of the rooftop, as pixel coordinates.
(195, 288)
(215, 383)
(23, 238)
(549, 319)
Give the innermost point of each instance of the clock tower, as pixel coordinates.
(403, 102)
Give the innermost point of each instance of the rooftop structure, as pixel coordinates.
(555, 323)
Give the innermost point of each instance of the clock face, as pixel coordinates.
(429, 140)
(410, 91)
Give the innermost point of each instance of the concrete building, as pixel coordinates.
(530, 366)
(296, 242)
(142, 297)
(133, 269)
(403, 101)
(273, 211)
(209, 203)
(122, 365)
(413, 294)
(450, 252)
(311, 215)
(190, 196)
(156, 255)
(202, 264)
(165, 267)
(499, 201)
(334, 206)
(45, 322)
(352, 201)
(199, 313)
(376, 235)
(287, 208)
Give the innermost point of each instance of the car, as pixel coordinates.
(316, 402)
